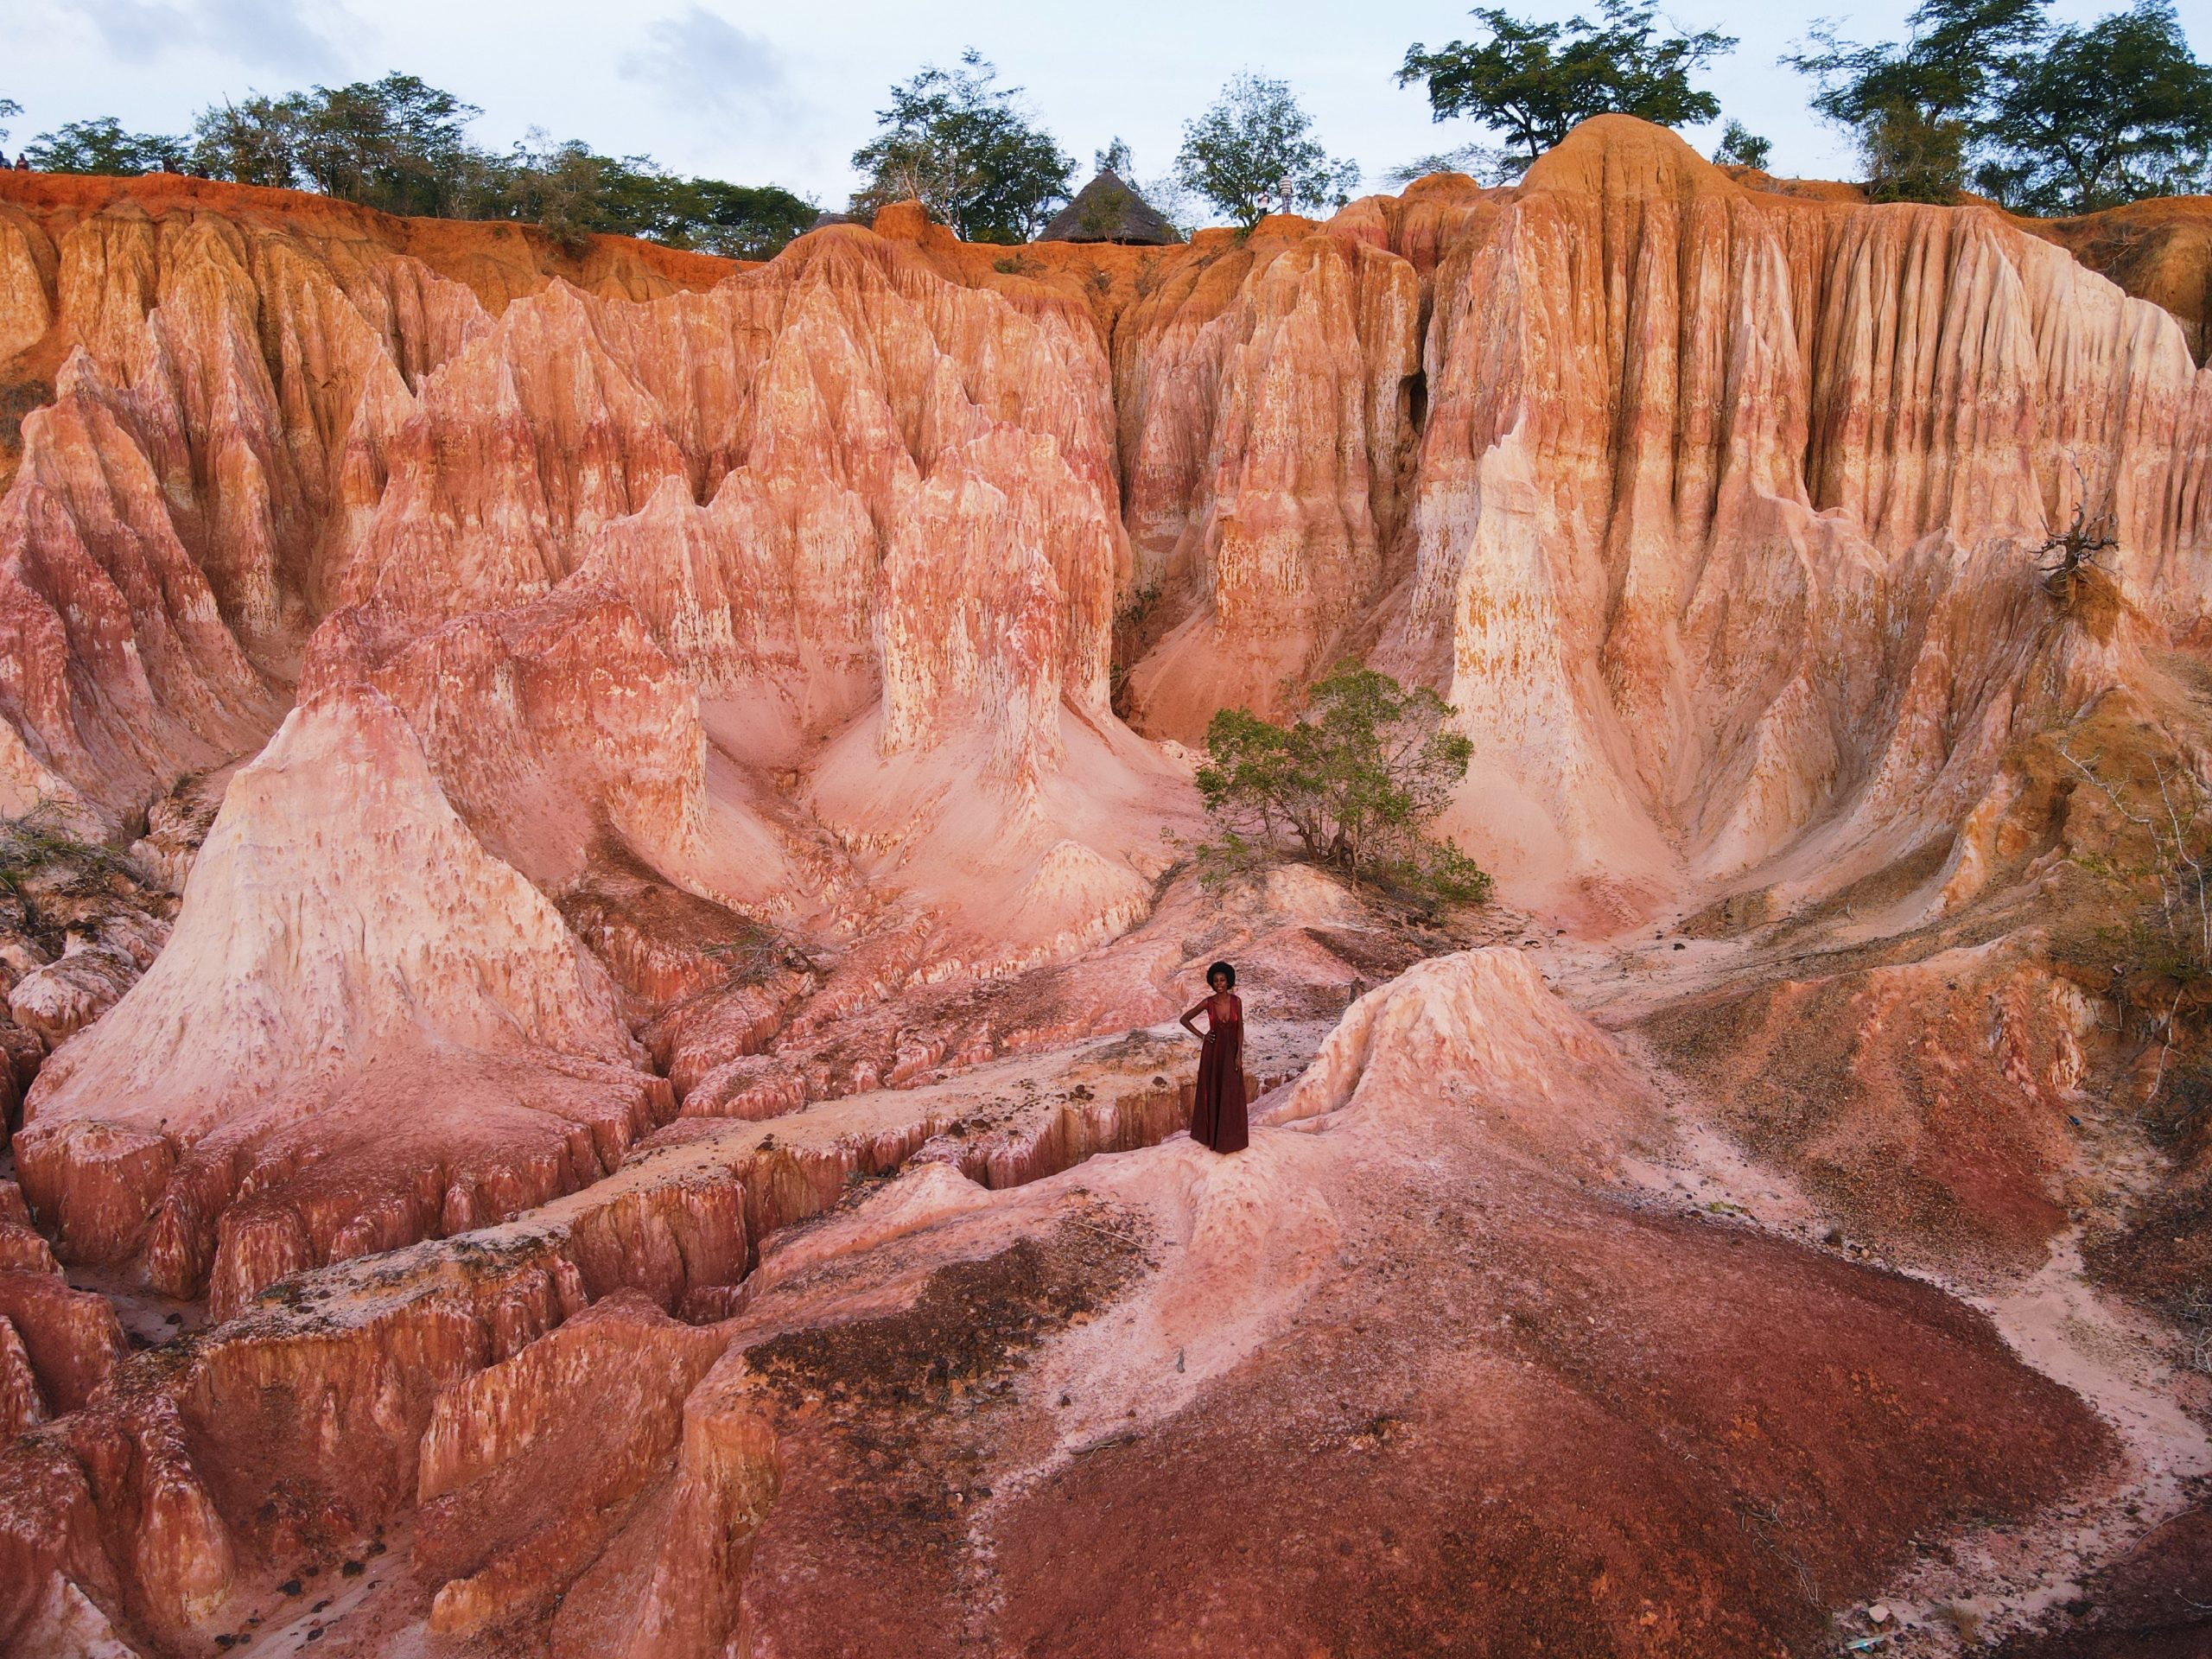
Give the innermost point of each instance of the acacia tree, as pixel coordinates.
(967, 149)
(2047, 120)
(1253, 153)
(1533, 81)
(1914, 106)
(103, 146)
(399, 143)
(1741, 146)
(2098, 116)
(1355, 783)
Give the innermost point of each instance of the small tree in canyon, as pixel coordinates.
(2071, 553)
(1354, 783)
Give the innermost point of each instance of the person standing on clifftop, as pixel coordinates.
(1217, 1111)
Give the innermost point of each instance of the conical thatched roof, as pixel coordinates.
(1106, 210)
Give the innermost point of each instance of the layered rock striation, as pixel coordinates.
(657, 727)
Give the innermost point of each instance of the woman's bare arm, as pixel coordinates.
(1191, 1010)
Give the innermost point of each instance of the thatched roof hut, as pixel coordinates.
(1106, 210)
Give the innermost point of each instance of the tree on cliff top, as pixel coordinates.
(103, 146)
(2098, 116)
(402, 145)
(1354, 783)
(1533, 82)
(399, 145)
(2046, 120)
(965, 149)
(1740, 147)
(1913, 107)
(1253, 153)
(571, 191)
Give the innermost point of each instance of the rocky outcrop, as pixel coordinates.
(324, 971)
(933, 1383)
(1727, 541)
(2159, 250)
(530, 1467)
(56, 1000)
(1929, 1103)
(675, 726)
(58, 1346)
(1265, 396)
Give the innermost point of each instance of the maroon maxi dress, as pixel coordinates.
(1217, 1111)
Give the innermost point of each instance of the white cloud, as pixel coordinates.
(709, 64)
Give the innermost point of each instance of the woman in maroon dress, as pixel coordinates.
(1218, 1112)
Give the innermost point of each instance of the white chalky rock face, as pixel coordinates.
(339, 917)
(1724, 539)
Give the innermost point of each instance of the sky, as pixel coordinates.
(784, 94)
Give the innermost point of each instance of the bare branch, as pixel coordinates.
(2066, 554)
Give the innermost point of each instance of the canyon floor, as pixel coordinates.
(600, 850)
(1497, 1339)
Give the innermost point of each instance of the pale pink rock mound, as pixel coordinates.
(346, 947)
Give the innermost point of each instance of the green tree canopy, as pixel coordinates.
(9, 110)
(1355, 782)
(398, 144)
(2098, 116)
(572, 191)
(247, 143)
(103, 146)
(1912, 106)
(738, 221)
(2047, 120)
(1533, 81)
(966, 149)
(1253, 153)
(402, 145)
(1741, 146)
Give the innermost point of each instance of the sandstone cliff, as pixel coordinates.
(659, 726)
